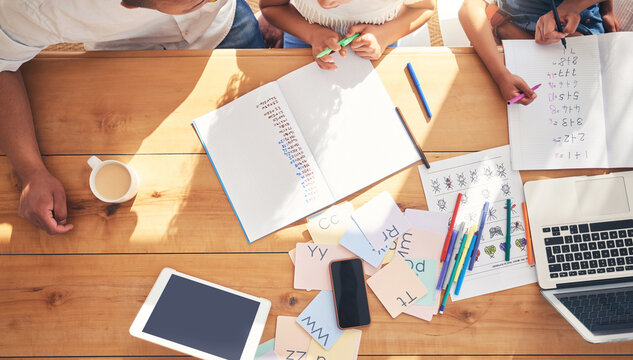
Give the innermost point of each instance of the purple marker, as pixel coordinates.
(449, 254)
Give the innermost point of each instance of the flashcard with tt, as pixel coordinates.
(312, 265)
(381, 220)
(327, 227)
(290, 338)
(319, 320)
(396, 286)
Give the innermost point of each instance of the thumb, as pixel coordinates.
(524, 87)
(59, 205)
(359, 28)
(571, 23)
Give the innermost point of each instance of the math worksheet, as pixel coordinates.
(582, 115)
(483, 176)
(296, 145)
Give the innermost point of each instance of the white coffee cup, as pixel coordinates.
(112, 181)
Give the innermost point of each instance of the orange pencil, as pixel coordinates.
(528, 236)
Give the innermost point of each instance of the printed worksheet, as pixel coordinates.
(483, 176)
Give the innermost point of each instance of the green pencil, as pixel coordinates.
(342, 42)
(508, 215)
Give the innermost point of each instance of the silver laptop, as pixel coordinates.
(582, 235)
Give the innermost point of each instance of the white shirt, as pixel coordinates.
(28, 26)
(340, 18)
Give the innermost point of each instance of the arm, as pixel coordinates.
(283, 15)
(472, 16)
(610, 22)
(42, 201)
(569, 14)
(375, 39)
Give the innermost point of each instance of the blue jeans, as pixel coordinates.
(525, 14)
(244, 33)
(293, 42)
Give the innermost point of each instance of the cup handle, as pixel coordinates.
(94, 162)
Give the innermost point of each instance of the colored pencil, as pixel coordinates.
(508, 219)
(343, 43)
(417, 86)
(559, 27)
(417, 147)
(469, 239)
(449, 253)
(450, 228)
(450, 281)
(463, 273)
(482, 222)
(453, 259)
(522, 95)
(528, 235)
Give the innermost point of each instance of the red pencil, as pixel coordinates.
(450, 229)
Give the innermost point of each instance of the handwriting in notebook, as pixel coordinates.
(290, 146)
(565, 108)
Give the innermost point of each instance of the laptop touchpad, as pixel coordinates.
(602, 196)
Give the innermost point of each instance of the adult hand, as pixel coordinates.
(321, 39)
(546, 31)
(371, 42)
(43, 202)
(512, 86)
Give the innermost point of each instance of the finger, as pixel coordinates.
(355, 29)
(50, 225)
(571, 21)
(343, 52)
(326, 65)
(525, 88)
(359, 42)
(59, 205)
(332, 43)
(526, 101)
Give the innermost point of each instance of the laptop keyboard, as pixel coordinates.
(589, 248)
(604, 311)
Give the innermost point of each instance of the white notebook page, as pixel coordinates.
(564, 127)
(616, 52)
(349, 123)
(264, 163)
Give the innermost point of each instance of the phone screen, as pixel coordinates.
(350, 294)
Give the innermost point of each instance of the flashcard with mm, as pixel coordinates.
(319, 320)
(290, 338)
(381, 220)
(396, 286)
(312, 263)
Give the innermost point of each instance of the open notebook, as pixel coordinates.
(582, 117)
(298, 144)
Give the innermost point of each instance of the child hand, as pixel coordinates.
(546, 31)
(512, 86)
(322, 39)
(371, 42)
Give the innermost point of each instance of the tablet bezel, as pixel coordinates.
(254, 336)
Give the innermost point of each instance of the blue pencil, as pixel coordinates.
(449, 253)
(461, 276)
(473, 256)
(450, 281)
(417, 86)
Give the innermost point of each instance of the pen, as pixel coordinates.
(406, 127)
(450, 281)
(450, 228)
(342, 42)
(508, 216)
(468, 257)
(417, 86)
(473, 257)
(558, 25)
(440, 280)
(522, 95)
(528, 235)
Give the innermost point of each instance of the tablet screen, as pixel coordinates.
(202, 317)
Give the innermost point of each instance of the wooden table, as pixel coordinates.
(76, 295)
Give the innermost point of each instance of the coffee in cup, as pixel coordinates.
(112, 181)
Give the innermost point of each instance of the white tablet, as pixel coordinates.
(200, 318)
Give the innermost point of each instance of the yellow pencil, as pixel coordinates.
(471, 233)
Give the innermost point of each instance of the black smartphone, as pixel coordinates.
(350, 293)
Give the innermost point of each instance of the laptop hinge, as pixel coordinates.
(595, 282)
